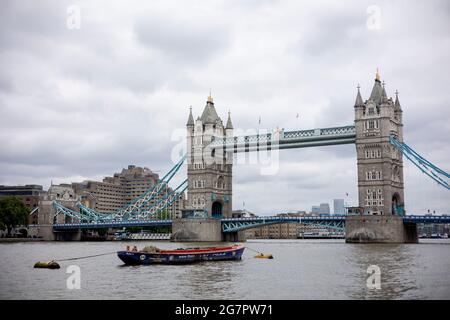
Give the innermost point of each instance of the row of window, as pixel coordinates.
(373, 153)
(198, 202)
(199, 166)
(371, 125)
(374, 175)
(198, 141)
(374, 197)
(199, 184)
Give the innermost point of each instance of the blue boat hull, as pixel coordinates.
(138, 258)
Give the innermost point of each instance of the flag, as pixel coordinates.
(297, 115)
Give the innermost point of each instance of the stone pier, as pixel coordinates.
(202, 230)
(379, 229)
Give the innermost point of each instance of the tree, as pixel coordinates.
(163, 215)
(12, 213)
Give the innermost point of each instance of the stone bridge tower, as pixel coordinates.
(380, 164)
(209, 171)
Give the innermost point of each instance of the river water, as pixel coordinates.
(302, 269)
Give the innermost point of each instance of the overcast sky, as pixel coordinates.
(82, 103)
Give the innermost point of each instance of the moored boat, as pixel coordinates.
(153, 255)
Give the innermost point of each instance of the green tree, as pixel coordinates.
(12, 213)
(163, 215)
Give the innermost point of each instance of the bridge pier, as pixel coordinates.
(202, 230)
(196, 230)
(74, 235)
(379, 229)
(234, 236)
(44, 232)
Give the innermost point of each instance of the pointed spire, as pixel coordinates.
(209, 115)
(210, 98)
(229, 123)
(359, 101)
(397, 102)
(191, 118)
(377, 90)
(383, 93)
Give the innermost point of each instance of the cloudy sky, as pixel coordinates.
(82, 103)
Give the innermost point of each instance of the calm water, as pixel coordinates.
(302, 269)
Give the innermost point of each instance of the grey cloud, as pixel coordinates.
(85, 103)
(188, 42)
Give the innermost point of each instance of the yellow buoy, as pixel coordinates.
(264, 256)
(47, 264)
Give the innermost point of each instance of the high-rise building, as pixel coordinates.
(315, 209)
(339, 206)
(324, 208)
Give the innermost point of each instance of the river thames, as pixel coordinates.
(301, 269)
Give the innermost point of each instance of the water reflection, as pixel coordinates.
(208, 280)
(301, 270)
(395, 262)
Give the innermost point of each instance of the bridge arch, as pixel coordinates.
(397, 204)
(217, 208)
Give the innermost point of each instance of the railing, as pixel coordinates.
(333, 135)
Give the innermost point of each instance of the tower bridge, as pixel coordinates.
(377, 133)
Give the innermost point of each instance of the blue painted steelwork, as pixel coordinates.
(59, 208)
(96, 216)
(163, 203)
(288, 139)
(426, 219)
(423, 164)
(238, 224)
(90, 216)
(137, 206)
(136, 210)
(336, 222)
(111, 224)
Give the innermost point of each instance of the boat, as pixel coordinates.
(264, 256)
(154, 255)
(47, 264)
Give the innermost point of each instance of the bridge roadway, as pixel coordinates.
(239, 224)
(288, 139)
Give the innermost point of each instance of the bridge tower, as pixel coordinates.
(380, 170)
(380, 164)
(209, 179)
(209, 172)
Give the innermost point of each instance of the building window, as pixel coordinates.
(373, 153)
(374, 198)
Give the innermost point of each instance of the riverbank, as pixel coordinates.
(21, 240)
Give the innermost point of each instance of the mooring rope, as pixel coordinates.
(85, 257)
(253, 250)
